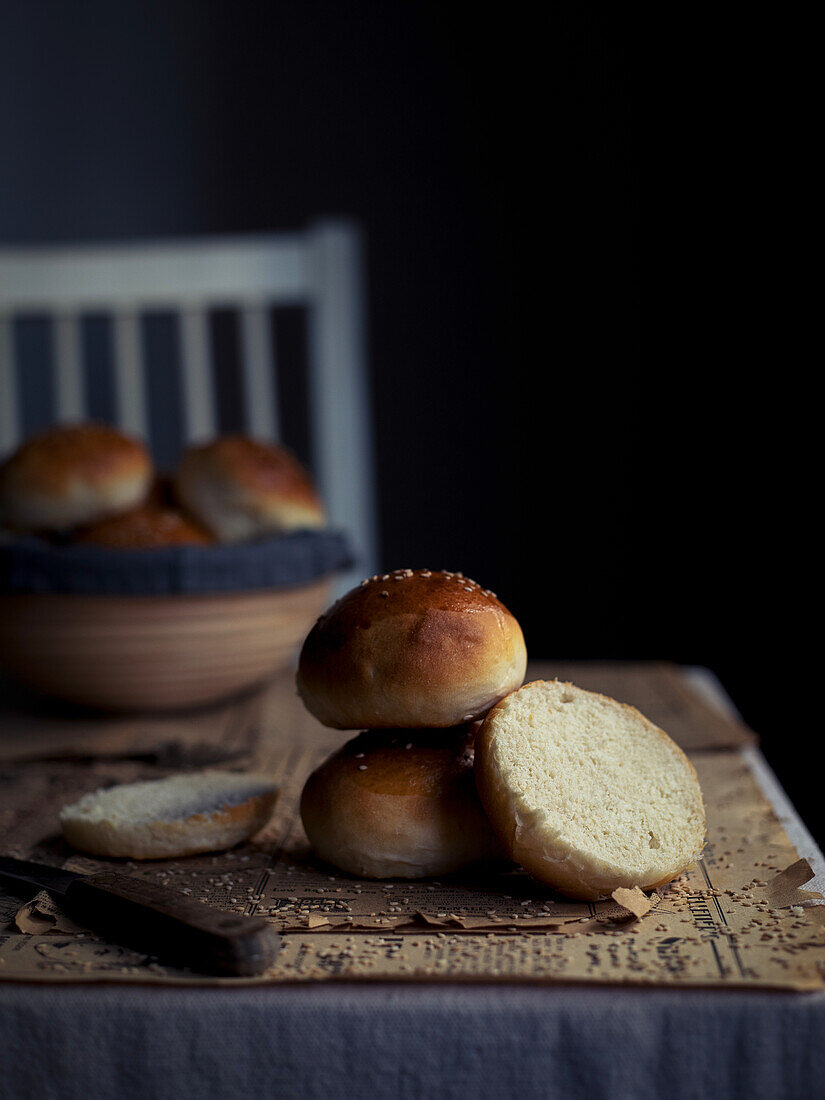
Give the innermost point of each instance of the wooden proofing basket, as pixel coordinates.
(157, 630)
(153, 652)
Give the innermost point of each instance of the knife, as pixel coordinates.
(154, 919)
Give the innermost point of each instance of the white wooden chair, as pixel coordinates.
(319, 268)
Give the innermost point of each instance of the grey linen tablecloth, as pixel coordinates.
(344, 1040)
(388, 1041)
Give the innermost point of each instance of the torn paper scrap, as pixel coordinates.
(634, 900)
(42, 915)
(784, 890)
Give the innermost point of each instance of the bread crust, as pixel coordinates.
(399, 804)
(240, 488)
(72, 475)
(579, 876)
(143, 528)
(411, 649)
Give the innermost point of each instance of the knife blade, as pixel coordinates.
(154, 919)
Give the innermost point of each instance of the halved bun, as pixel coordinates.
(241, 489)
(411, 649)
(586, 793)
(399, 804)
(73, 475)
(168, 818)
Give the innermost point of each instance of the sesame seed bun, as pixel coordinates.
(148, 526)
(241, 489)
(411, 649)
(73, 475)
(398, 804)
(586, 793)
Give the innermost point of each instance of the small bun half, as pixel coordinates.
(239, 489)
(411, 649)
(586, 793)
(399, 804)
(73, 475)
(172, 817)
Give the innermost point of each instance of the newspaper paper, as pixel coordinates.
(736, 918)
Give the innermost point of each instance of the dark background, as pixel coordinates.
(619, 494)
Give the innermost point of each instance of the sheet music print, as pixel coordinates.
(715, 926)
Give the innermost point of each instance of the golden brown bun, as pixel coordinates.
(73, 475)
(145, 527)
(411, 649)
(241, 489)
(398, 804)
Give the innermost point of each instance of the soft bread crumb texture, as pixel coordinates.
(171, 817)
(586, 793)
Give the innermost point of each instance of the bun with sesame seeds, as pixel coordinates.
(411, 649)
(399, 804)
(239, 488)
(142, 528)
(72, 475)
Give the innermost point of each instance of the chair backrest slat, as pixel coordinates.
(342, 436)
(258, 364)
(196, 375)
(68, 368)
(130, 388)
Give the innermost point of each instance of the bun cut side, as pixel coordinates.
(411, 649)
(170, 818)
(586, 793)
(399, 804)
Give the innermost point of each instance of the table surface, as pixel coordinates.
(346, 1039)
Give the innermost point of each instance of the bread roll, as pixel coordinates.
(411, 649)
(587, 794)
(143, 528)
(73, 475)
(241, 489)
(168, 818)
(398, 804)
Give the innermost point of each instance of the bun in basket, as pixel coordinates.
(73, 475)
(242, 489)
(399, 804)
(145, 527)
(172, 817)
(587, 794)
(411, 649)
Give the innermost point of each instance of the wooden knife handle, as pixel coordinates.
(180, 930)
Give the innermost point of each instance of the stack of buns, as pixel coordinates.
(93, 484)
(413, 658)
(459, 763)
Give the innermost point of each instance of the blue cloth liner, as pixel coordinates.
(33, 565)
